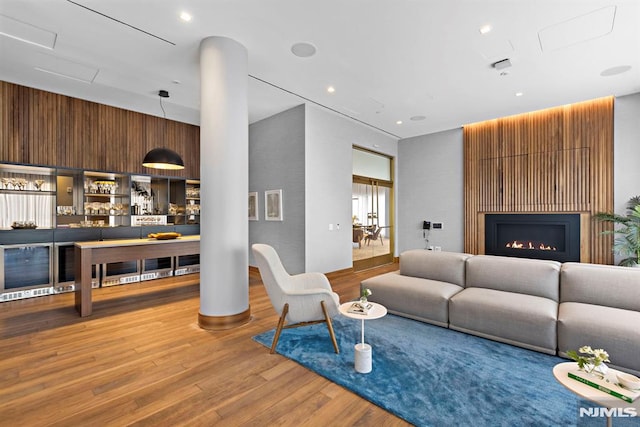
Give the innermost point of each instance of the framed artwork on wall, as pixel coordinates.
(273, 205)
(253, 206)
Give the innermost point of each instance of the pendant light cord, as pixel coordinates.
(161, 106)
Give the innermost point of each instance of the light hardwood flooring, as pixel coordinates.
(373, 249)
(141, 359)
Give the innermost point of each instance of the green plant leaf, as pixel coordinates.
(628, 230)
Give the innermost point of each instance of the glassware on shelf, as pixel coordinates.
(66, 210)
(193, 192)
(104, 187)
(21, 183)
(38, 184)
(193, 209)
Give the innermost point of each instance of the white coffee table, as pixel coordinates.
(363, 357)
(561, 370)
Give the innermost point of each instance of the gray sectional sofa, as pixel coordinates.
(540, 305)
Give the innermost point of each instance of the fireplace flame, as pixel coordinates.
(530, 245)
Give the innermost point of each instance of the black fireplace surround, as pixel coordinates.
(540, 236)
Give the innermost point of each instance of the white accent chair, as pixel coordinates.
(300, 300)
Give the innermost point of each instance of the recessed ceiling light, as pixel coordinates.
(519, 93)
(331, 89)
(615, 70)
(399, 122)
(485, 29)
(303, 49)
(417, 118)
(185, 16)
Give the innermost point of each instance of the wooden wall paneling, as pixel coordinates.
(21, 126)
(4, 121)
(557, 160)
(601, 192)
(174, 134)
(79, 134)
(585, 240)
(39, 131)
(47, 147)
(62, 131)
(110, 141)
(44, 128)
(135, 132)
(470, 185)
(88, 144)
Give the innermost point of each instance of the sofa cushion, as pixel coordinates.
(421, 299)
(442, 266)
(523, 320)
(606, 285)
(613, 329)
(525, 276)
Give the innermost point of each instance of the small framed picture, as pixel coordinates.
(253, 206)
(273, 205)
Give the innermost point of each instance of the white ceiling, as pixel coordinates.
(388, 60)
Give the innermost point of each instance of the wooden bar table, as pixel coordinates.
(105, 251)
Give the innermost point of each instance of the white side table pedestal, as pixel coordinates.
(363, 351)
(363, 358)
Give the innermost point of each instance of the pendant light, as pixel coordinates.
(163, 158)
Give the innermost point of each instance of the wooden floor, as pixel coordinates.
(373, 249)
(141, 359)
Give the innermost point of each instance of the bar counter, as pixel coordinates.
(105, 251)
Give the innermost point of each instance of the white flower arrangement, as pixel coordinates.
(364, 293)
(590, 360)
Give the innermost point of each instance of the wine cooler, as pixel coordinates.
(25, 271)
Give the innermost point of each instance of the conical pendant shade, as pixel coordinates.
(163, 158)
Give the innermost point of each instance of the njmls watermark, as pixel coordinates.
(609, 412)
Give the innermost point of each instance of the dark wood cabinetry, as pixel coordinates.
(45, 128)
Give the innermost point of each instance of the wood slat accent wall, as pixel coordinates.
(44, 128)
(555, 160)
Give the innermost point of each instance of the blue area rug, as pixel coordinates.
(433, 376)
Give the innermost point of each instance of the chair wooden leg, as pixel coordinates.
(276, 337)
(330, 327)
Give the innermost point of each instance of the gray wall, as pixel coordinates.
(329, 166)
(277, 161)
(430, 187)
(626, 153)
(306, 151)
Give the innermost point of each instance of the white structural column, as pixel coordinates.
(224, 181)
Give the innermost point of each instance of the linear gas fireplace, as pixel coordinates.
(541, 236)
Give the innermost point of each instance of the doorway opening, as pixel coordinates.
(372, 210)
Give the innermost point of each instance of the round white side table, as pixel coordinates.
(560, 372)
(363, 351)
